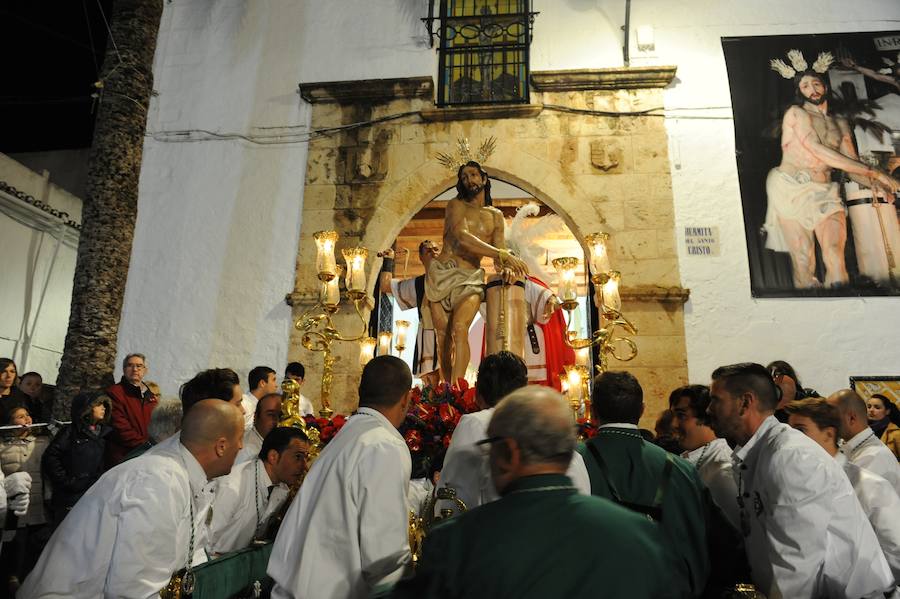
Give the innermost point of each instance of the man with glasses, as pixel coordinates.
(555, 542)
(248, 497)
(132, 404)
(805, 531)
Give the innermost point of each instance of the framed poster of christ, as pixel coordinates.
(817, 140)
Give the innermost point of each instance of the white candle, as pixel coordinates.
(366, 350)
(384, 343)
(331, 292)
(356, 268)
(401, 328)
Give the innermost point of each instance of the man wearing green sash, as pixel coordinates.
(648, 480)
(541, 538)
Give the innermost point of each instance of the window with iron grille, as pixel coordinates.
(484, 51)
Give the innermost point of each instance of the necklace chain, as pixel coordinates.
(613, 431)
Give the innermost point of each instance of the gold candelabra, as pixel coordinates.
(606, 338)
(317, 324)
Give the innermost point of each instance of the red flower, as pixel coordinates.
(424, 411)
(468, 401)
(338, 421)
(462, 384)
(449, 414)
(327, 433)
(446, 440)
(413, 440)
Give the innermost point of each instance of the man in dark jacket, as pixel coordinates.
(74, 460)
(132, 404)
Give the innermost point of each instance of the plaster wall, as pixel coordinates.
(33, 332)
(217, 235)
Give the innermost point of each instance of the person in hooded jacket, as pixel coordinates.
(75, 458)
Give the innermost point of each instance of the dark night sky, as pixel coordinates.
(45, 91)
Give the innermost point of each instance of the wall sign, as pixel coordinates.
(701, 241)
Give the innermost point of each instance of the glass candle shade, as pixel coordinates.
(567, 286)
(401, 327)
(331, 290)
(356, 269)
(326, 267)
(611, 300)
(599, 259)
(583, 354)
(366, 350)
(573, 384)
(384, 343)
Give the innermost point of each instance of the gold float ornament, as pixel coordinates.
(420, 524)
(463, 153)
(317, 325)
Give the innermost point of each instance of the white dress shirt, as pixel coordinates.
(128, 534)
(867, 451)
(881, 505)
(806, 533)
(713, 463)
(347, 529)
(248, 402)
(466, 468)
(252, 445)
(242, 506)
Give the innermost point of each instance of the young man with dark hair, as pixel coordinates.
(247, 498)
(266, 417)
(346, 531)
(215, 383)
(805, 531)
(296, 372)
(132, 404)
(709, 454)
(668, 489)
(466, 467)
(261, 381)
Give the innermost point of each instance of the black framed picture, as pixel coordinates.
(817, 139)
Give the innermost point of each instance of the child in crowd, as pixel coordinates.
(75, 458)
(21, 451)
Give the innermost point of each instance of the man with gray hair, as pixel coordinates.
(165, 422)
(861, 445)
(556, 542)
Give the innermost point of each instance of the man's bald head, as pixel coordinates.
(853, 412)
(539, 420)
(212, 431)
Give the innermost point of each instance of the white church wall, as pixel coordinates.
(216, 239)
(33, 330)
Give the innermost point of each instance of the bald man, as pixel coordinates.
(140, 523)
(861, 445)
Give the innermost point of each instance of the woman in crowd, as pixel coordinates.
(9, 392)
(21, 451)
(75, 458)
(884, 420)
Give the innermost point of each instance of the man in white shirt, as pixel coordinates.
(861, 445)
(347, 529)
(466, 467)
(246, 498)
(296, 372)
(806, 533)
(137, 525)
(261, 381)
(268, 413)
(710, 455)
(819, 421)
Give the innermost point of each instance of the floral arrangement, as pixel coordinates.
(433, 415)
(327, 427)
